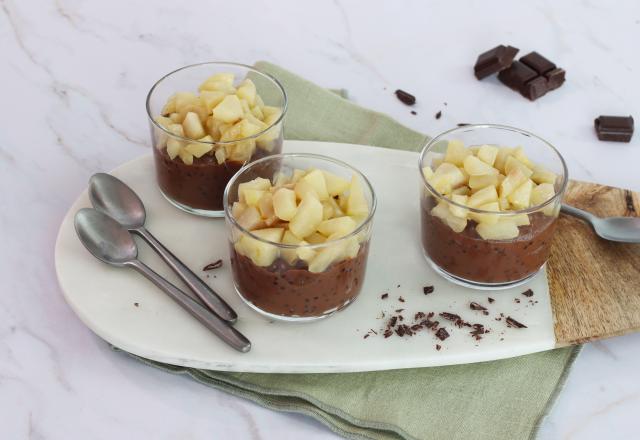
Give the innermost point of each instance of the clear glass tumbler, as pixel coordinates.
(298, 282)
(491, 246)
(192, 173)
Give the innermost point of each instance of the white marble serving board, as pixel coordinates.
(103, 297)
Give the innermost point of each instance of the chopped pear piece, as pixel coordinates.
(519, 219)
(182, 99)
(221, 156)
(303, 189)
(229, 110)
(297, 175)
(456, 152)
(307, 218)
(542, 175)
(265, 206)
(447, 177)
(163, 121)
(486, 218)
(514, 179)
(316, 238)
(252, 196)
(482, 180)
(335, 184)
(257, 183)
(475, 167)
(224, 77)
(443, 213)
(290, 255)
(280, 179)
(427, 172)
(173, 148)
(512, 163)
(284, 203)
(519, 154)
(327, 256)
(483, 196)
(504, 203)
(250, 218)
(542, 193)
(316, 179)
(504, 229)
(186, 157)
(199, 149)
(237, 209)
(337, 211)
(211, 98)
(501, 158)
(261, 253)
(247, 91)
(488, 154)
(328, 211)
(357, 204)
(521, 196)
(339, 226)
(457, 210)
(463, 191)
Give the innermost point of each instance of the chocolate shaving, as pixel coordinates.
(212, 266)
(388, 333)
(450, 316)
(405, 98)
(428, 289)
(373, 331)
(528, 293)
(442, 334)
(136, 304)
(476, 306)
(413, 112)
(366, 336)
(401, 299)
(491, 300)
(392, 321)
(462, 124)
(513, 323)
(439, 115)
(399, 310)
(418, 316)
(384, 296)
(438, 347)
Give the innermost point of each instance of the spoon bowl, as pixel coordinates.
(620, 229)
(105, 238)
(110, 195)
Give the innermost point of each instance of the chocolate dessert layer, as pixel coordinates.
(282, 289)
(468, 256)
(200, 185)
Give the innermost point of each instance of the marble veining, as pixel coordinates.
(74, 79)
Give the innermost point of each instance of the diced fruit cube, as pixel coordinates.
(521, 196)
(237, 209)
(514, 179)
(252, 196)
(542, 175)
(297, 175)
(447, 177)
(250, 218)
(327, 210)
(193, 128)
(182, 99)
(519, 219)
(290, 255)
(225, 77)
(316, 179)
(335, 184)
(519, 154)
(488, 154)
(261, 253)
(501, 158)
(339, 226)
(504, 203)
(504, 229)
(457, 210)
(199, 149)
(483, 196)
(247, 91)
(303, 189)
(456, 153)
(512, 163)
(326, 256)
(463, 191)
(221, 156)
(229, 110)
(474, 167)
(305, 253)
(427, 172)
(316, 238)
(284, 203)
(211, 98)
(442, 212)
(163, 121)
(265, 205)
(486, 217)
(542, 193)
(356, 203)
(257, 183)
(186, 157)
(307, 218)
(482, 180)
(173, 147)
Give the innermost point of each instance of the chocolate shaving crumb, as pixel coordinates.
(491, 300)
(398, 286)
(517, 300)
(430, 315)
(462, 124)
(401, 318)
(442, 334)
(513, 323)
(439, 114)
(401, 299)
(528, 293)
(373, 331)
(413, 112)
(418, 316)
(392, 321)
(428, 289)
(212, 266)
(388, 333)
(366, 336)
(136, 304)
(405, 98)
(450, 316)
(438, 347)
(476, 306)
(384, 296)
(399, 310)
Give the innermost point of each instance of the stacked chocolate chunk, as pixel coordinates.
(533, 75)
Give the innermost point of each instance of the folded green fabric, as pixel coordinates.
(503, 399)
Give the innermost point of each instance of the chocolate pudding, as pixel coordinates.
(282, 289)
(468, 256)
(200, 185)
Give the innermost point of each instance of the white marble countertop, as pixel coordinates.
(73, 85)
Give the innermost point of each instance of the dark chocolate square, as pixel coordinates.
(535, 88)
(517, 76)
(614, 128)
(494, 60)
(538, 63)
(555, 78)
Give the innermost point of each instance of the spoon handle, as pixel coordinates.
(579, 213)
(210, 298)
(210, 320)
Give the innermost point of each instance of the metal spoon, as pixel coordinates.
(113, 197)
(113, 244)
(623, 229)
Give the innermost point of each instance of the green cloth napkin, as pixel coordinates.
(503, 399)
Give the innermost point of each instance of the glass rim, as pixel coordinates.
(232, 220)
(529, 210)
(217, 63)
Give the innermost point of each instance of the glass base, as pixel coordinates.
(476, 285)
(194, 211)
(292, 319)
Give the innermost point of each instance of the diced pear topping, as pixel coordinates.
(247, 91)
(519, 154)
(481, 180)
(257, 183)
(356, 204)
(503, 229)
(252, 196)
(475, 167)
(261, 253)
(339, 226)
(307, 218)
(199, 149)
(542, 193)
(521, 196)
(284, 203)
(316, 179)
(456, 153)
(488, 154)
(456, 210)
(542, 175)
(186, 157)
(501, 158)
(335, 184)
(229, 110)
(173, 148)
(512, 163)
(443, 212)
(483, 196)
(192, 126)
(486, 217)
(447, 177)
(237, 209)
(513, 180)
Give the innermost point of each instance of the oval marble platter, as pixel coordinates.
(128, 312)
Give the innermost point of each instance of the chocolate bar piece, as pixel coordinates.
(538, 63)
(555, 78)
(535, 88)
(517, 76)
(614, 128)
(494, 60)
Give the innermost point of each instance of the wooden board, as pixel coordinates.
(594, 283)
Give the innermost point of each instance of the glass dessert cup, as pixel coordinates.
(464, 252)
(196, 184)
(298, 283)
